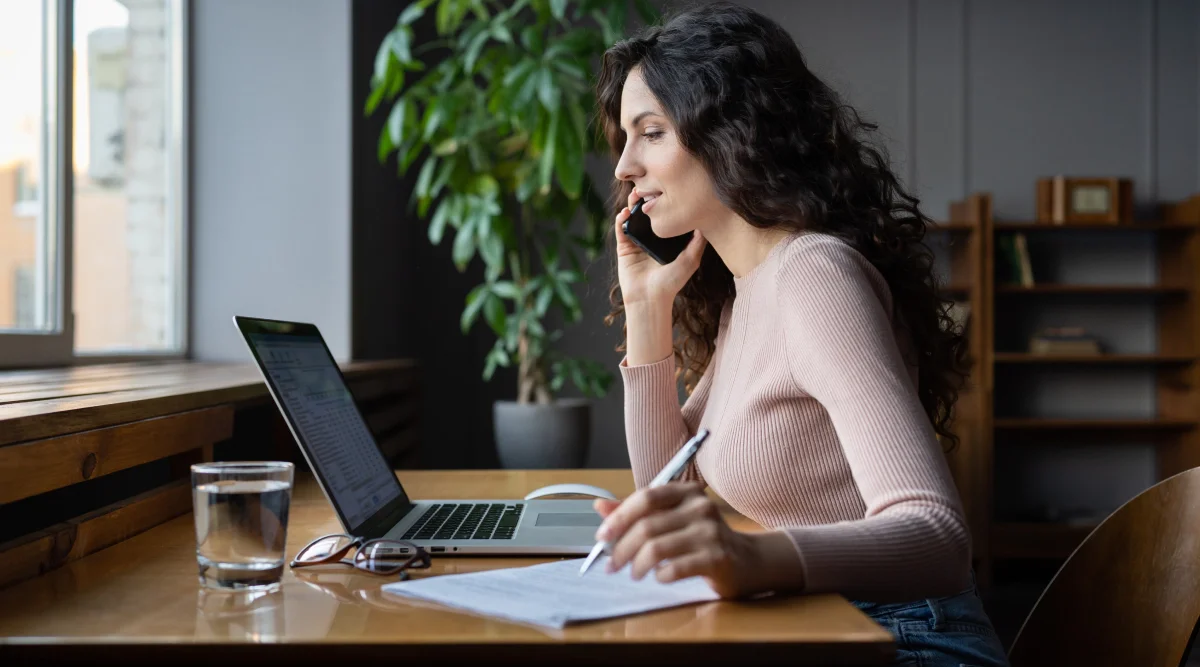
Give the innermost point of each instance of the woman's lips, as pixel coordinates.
(649, 205)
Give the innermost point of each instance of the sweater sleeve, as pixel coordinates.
(655, 425)
(913, 541)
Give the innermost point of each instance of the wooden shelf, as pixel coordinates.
(1150, 290)
(959, 227)
(978, 262)
(1042, 424)
(1036, 540)
(1098, 359)
(1095, 226)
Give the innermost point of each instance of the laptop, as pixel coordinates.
(309, 390)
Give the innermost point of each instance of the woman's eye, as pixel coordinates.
(653, 136)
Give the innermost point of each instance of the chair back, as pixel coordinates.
(1130, 593)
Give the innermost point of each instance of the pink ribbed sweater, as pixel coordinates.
(817, 429)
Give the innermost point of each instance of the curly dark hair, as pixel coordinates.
(783, 151)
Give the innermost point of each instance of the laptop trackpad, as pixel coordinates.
(567, 519)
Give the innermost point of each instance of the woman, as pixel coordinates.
(813, 343)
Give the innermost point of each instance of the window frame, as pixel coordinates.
(57, 346)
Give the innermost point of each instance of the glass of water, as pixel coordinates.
(241, 510)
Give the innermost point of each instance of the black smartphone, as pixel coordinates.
(663, 250)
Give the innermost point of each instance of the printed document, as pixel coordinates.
(553, 594)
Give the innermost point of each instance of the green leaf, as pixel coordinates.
(443, 16)
(501, 33)
(498, 357)
(534, 328)
(385, 146)
(411, 14)
(571, 69)
(558, 8)
(434, 114)
(410, 156)
(577, 377)
(446, 147)
(425, 177)
(402, 43)
(381, 60)
(519, 71)
(395, 122)
(437, 226)
(512, 335)
(569, 162)
(546, 170)
(491, 247)
(493, 310)
(507, 290)
(378, 90)
(543, 300)
(531, 39)
(548, 91)
(566, 297)
(486, 185)
(472, 52)
(475, 301)
(443, 176)
(464, 247)
(395, 77)
(525, 93)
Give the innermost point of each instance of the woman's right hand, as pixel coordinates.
(644, 280)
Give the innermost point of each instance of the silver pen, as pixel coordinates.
(669, 473)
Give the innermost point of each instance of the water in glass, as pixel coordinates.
(241, 528)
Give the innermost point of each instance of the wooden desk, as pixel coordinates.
(139, 601)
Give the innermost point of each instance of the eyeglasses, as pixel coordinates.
(379, 556)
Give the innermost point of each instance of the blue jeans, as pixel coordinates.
(951, 631)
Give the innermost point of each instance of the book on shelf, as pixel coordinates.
(1023, 264)
(1014, 257)
(1064, 340)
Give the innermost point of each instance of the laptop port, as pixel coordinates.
(437, 550)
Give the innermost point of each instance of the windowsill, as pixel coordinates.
(37, 404)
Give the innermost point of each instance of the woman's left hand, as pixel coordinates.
(677, 531)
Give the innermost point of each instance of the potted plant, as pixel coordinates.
(499, 128)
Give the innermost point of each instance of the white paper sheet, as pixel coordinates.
(553, 594)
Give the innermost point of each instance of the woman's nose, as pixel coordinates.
(627, 169)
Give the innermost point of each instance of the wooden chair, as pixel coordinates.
(1130, 594)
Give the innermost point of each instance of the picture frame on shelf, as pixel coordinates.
(1063, 200)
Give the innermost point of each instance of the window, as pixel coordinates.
(25, 195)
(92, 167)
(23, 310)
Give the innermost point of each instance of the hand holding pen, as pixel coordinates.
(677, 531)
(670, 472)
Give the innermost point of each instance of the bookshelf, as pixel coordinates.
(988, 425)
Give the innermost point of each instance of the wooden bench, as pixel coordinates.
(133, 431)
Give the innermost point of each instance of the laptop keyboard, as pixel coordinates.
(466, 521)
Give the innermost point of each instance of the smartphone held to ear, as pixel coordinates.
(663, 250)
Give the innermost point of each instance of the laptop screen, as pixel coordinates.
(322, 412)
